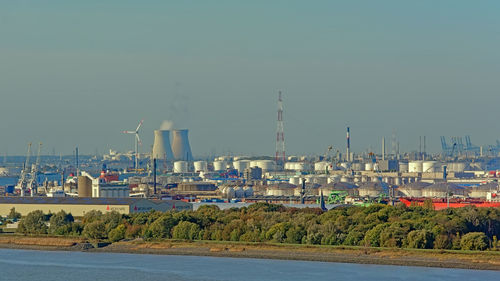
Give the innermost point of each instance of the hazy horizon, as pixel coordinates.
(79, 73)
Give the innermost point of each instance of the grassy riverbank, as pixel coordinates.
(484, 260)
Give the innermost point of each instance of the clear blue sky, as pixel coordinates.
(80, 72)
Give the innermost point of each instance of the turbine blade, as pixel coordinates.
(128, 132)
(138, 139)
(139, 126)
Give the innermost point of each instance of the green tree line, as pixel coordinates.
(468, 228)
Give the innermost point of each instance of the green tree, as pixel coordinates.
(372, 236)
(13, 215)
(95, 230)
(117, 233)
(420, 239)
(474, 241)
(33, 223)
(442, 241)
(161, 228)
(92, 216)
(186, 230)
(59, 222)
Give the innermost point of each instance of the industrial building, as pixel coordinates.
(80, 206)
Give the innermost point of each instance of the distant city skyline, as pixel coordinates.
(80, 73)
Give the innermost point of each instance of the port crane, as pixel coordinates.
(33, 183)
(22, 182)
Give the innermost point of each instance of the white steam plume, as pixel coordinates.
(167, 125)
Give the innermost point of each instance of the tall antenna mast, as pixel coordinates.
(280, 135)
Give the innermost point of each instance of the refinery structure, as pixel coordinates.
(462, 174)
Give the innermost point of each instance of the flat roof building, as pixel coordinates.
(80, 206)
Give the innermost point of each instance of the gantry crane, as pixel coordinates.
(33, 183)
(22, 182)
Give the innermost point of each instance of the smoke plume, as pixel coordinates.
(167, 125)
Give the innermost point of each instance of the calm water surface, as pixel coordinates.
(79, 266)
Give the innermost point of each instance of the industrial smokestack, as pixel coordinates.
(180, 145)
(383, 148)
(161, 146)
(348, 156)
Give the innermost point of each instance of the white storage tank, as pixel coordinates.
(219, 165)
(241, 165)
(429, 166)
(403, 167)
(456, 167)
(200, 166)
(301, 166)
(180, 167)
(294, 180)
(345, 165)
(333, 179)
(345, 179)
(265, 165)
(358, 166)
(321, 166)
(369, 166)
(415, 167)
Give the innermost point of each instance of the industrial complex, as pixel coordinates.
(170, 177)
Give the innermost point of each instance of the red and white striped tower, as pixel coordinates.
(280, 135)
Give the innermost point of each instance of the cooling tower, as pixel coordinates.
(180, 145)
(161, 146)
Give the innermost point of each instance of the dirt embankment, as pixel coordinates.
(429, 258)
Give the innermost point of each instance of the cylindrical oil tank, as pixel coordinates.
(294, 180)
(429, 166)
(289, 166)
(403, 167)
(200, 166)
(333, 179)
(266, 165)
(300, 166)
(456, 167)
(358, 166)
(239, 192)
(230, 192)
(369, 166)
(180, 167)
(241, 165)
(415, 167)
(219, 165)
(84, 186)
(248, 191)
(321, 166)
(345, 165)
(319, 179)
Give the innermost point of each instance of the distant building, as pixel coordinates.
(80, 206)
(253, 173)
(102, 189)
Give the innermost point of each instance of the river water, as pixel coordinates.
(80, 266)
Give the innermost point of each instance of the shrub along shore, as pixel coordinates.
(467, 228)
(348, 229)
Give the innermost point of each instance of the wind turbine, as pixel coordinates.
(137, 143)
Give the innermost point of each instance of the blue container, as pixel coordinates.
(9, 189)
